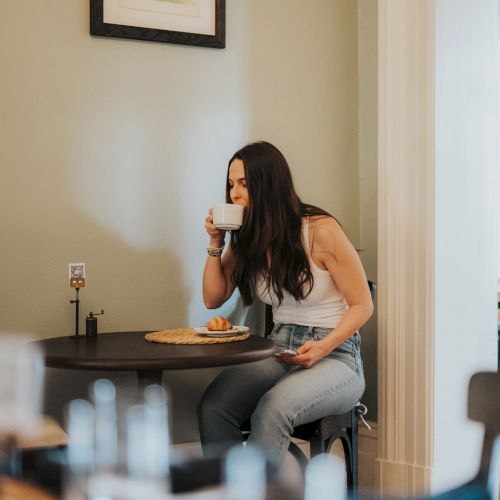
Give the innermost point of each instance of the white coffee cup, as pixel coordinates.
(228, 216)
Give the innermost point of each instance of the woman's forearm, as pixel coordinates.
(217, 284)
(214, 283)
(351, 322)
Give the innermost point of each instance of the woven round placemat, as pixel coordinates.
(190, 336)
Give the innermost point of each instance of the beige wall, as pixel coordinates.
(112, 151)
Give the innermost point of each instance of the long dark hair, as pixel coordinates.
(269, 243)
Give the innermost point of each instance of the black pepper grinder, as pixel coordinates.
(91, 324)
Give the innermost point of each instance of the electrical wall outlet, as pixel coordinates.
(77, 275)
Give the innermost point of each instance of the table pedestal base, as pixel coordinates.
(149, 377)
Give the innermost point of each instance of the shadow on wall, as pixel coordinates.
(138, 290)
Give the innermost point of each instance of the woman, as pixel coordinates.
(297, 258)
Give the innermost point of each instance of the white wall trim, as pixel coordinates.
(406, 242)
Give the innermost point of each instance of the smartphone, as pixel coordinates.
(288, 352)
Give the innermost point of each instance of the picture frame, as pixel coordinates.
(186, 22)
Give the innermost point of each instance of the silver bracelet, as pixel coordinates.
(215, 251)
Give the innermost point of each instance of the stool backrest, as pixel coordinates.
(373, 288)
(484, 399)
(484, 406)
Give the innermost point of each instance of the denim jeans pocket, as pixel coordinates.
(291, 336)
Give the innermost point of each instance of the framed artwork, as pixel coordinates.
(188, 22)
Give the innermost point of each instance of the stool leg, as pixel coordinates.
(317, 446)
(148, 377)
(346, 446)
(353, 437)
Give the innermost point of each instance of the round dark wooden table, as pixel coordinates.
(120, 351)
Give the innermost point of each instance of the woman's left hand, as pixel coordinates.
(308, 354)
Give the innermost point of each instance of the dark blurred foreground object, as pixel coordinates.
(46, 468)
(206, 472)
(196, 473)
(484, 407)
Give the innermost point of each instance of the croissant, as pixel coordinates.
(219, 324)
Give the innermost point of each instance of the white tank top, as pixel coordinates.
(323, 307)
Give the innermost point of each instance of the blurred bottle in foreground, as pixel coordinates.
(325, 478)
(96, 469)
(245, 474)
(21, 393)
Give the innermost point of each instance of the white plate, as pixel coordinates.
(203, 330)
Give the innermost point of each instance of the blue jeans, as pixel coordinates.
(279, 397)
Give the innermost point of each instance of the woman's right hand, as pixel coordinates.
(216, 235)
(218, 285)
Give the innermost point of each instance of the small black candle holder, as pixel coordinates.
(77, 314)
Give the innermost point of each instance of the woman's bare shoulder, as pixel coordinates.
(326, 233)
(324, 225)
